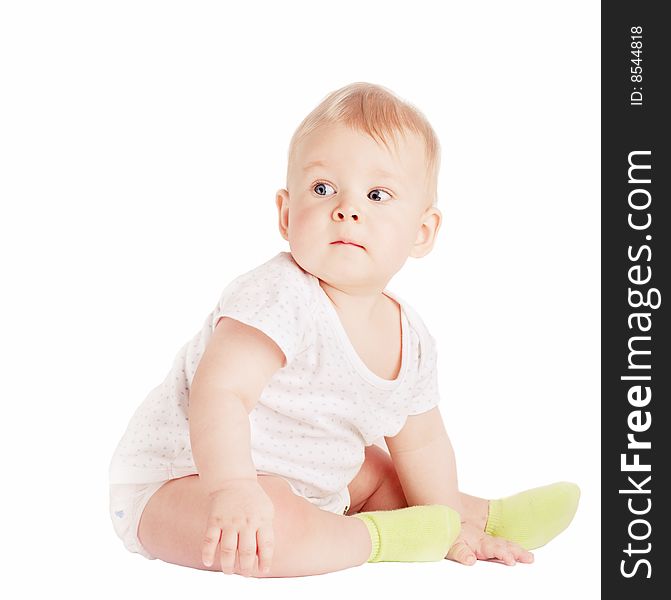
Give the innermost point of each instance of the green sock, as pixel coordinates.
(413, 534)
(533, 517)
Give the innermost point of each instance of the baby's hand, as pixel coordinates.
(473, 543)
(241, 516)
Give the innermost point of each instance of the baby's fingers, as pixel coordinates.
(229, 546)
(247, 550)
(460, 552)
(266, 543)
(212, 535)
(520, 554)
(496, 549)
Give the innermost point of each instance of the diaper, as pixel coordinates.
(337, 503)
(127, 501)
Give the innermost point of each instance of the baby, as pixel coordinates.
(257, 455)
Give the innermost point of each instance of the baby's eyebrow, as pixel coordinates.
(314, 163)
(385, 174)
(321, 163)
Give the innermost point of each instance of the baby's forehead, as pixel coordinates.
(402, 155)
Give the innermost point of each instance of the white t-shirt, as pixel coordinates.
(315, 415)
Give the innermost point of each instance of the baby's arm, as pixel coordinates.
(426, 467)
(237, 364)
(424, 460)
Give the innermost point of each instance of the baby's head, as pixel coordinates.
(363, 168)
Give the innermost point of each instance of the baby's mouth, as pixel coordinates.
(348, 243)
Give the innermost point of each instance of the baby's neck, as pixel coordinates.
(355, 307)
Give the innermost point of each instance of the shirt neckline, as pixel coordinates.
(349, 349)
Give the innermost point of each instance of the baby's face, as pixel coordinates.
(344, 187)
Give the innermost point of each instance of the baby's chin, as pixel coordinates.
(351, 275)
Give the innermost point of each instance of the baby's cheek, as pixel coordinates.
(303, 228)
(302, 240)
(297, 222)
(403, 235)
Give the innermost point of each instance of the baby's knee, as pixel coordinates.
(294, 520)
(293, 513)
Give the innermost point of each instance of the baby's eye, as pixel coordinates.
(379, 192)
(320, 188)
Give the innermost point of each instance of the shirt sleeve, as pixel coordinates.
(426, 395)
(275, 299)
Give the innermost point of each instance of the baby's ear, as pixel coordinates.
(427, 232)
(282, 202)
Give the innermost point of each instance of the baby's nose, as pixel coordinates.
(340, 214)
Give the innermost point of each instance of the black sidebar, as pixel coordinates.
(636, 297)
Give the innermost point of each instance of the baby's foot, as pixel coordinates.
(533, 517)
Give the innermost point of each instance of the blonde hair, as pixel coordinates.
(378, 112)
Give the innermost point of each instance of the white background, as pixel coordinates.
(141, 146)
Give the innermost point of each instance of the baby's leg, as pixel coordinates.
(308, 541)
(530, 519)
(376, 487)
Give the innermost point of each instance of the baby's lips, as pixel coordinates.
(348, 243)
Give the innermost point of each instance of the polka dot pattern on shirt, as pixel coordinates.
(315, 416)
